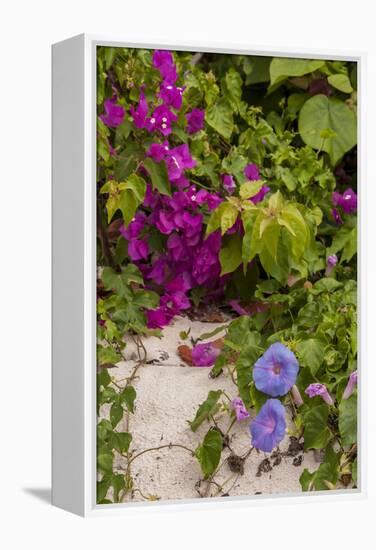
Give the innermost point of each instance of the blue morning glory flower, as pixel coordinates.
(276, 371)
(269, 427)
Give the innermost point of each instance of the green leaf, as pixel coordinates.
(224, 217)
(269, 233)
(309, 315)
(131, 274)
(230, 255)
(116, 414)
(293, 221)
(146, 298)
(107, 355)
(104, 429)
(120, 441)
(316, 431)
(326, 284)
(325, 477)
(104, 462)
(127, 397)
(233, 82)
(125, 196)
(319, 114)
(347, 420)
(252, 243)
(258, 398)
(137, 185)
(118, 483)
(350, 248)
(209, 452)
(117, 282)
(208, 407)
(341, 82)
(311, 354)
(282, 68)
(102, 488)
(220, 118)
(103, 378)
(159, 176)
(250, 189)
(229, 214)
(249, 345)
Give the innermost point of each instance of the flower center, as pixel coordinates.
(276, 368)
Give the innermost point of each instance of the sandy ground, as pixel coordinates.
(168, 395)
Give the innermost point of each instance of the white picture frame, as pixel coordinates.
(74, 277)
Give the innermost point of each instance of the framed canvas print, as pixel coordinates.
(205, 275)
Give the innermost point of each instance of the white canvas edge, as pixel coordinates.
(91, 509)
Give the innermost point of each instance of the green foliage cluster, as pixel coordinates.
(295, 119)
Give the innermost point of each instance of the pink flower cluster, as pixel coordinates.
(188, 260)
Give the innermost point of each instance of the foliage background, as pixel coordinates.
(293, 123)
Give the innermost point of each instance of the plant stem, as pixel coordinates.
(103, 237)
(169, 446)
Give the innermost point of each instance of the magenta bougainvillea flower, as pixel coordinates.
(141, 112)
(348, 201)
(158, 151)
(138, 249)
(206, 264)
(276, 371)
(158, 271)
(179, 159)
(204, 355)
(331, 262)
(337, 216)
(113, 113)
(251, 172)
(351, 385)
(163, 61)
(316, 389)
(240, 409)
(162, 57)
(161, 120)
(269, 427)
(135, 227)
(195, 120)
(172, 96)
(158, 318)
(228, 183)
(212, 200)
(260, 195)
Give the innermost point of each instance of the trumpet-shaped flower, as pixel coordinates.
(269, 427)
(240, 409)
(351, 385)
(276, 371)
(316, 389)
